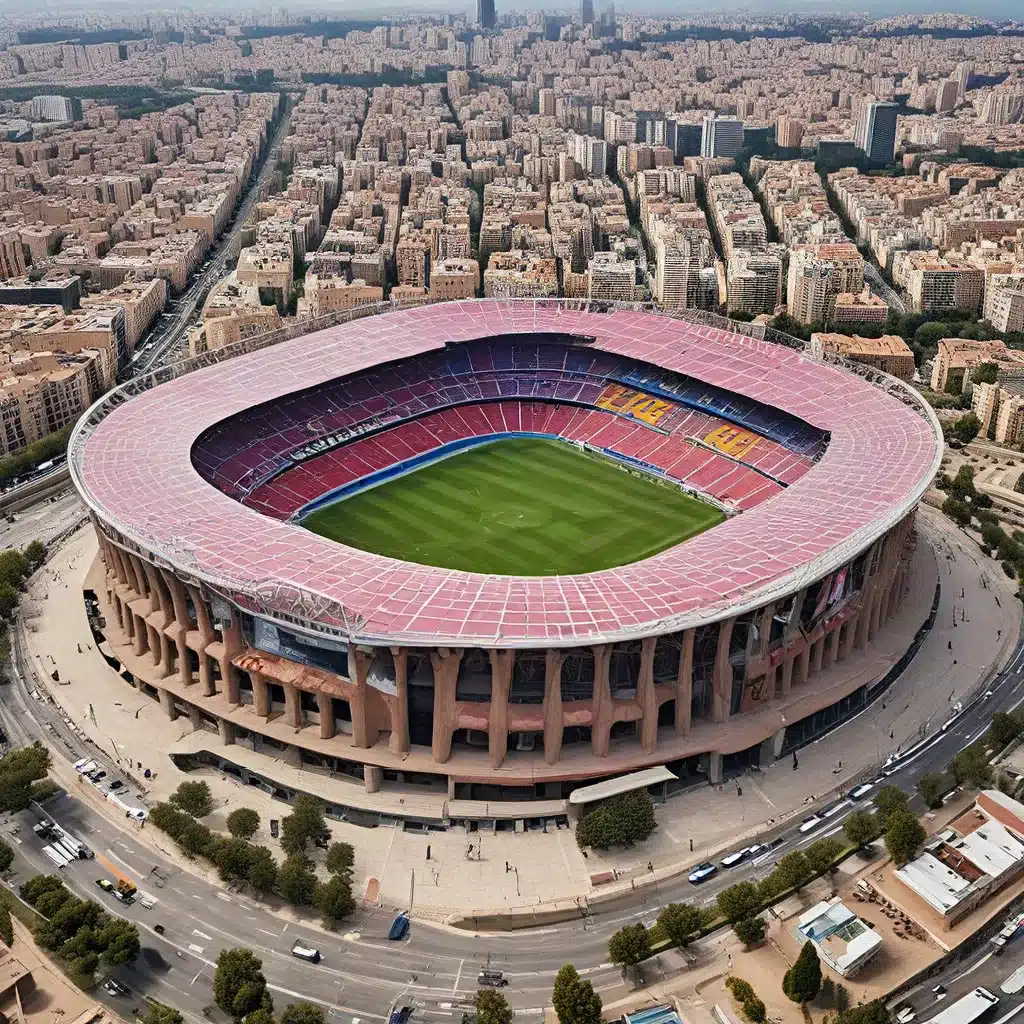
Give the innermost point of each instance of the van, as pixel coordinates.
(306, 953)
(488, 978)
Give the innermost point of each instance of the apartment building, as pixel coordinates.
(889, 353)
(955, 358)
(518, 274)
(753, 282)
(1004, 302)
(455, 279)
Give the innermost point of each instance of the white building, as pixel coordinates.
(843, 941)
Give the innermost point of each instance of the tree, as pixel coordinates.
(574, 999)
(750, 930)
(888, 800)
(957, 510)
(903, 837)
(622, 821)
(197, 840)
(793, 871)
(802, 981)
(739, 901)
(629, 946)
(822, 854)
(1004, 728)
(39, 885)
(932, 787)
(304, 825)
(118, 942)
(334, 900)
(243, 822)
(6, 856)
(14, 567)
(36, 551)
(233, 858)
(169, 819)
(971, 767)
(929, 335)
(193, 798)
(50, 902)
(867, 1013)
(296, 882)
(862, 828)
(160, 1013)
(8, 600)
(755, 1010)
(262, 870)
(492, 1007)
(680, 922)
(238, 983)
(340, 858)
(302, 1013)
(6, 925)
(965, 429)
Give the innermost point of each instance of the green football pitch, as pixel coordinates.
(520, 507)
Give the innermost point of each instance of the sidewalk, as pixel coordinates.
(550, 866)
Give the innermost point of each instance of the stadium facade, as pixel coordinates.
(726, 649)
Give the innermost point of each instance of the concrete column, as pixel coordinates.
(231, 682)
(817, 653)
(777, 740)
(721, 700)
(787, 675)
(553, 704)
(167, 703)
(831, 642)
(364, 731)
(165, 665)
(153, 641)
(715, 767)
(601, 724)
(446, 675)
(399, 741)
(141, 637)
(372, 778)
(260, 694)
(803, 665)
(226, 730)
(203, 623)
(684, 684)
(207, 683)
(876, 612)
(848, 638)
(764, 628)
(864, 618)
(195, 717)
(292, 706)
(502, 663)
(647, 697)
(325, 705)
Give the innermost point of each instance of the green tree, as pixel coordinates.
(160, 1013)
(233, 858)
(492, 1007)
(37, 886)
(35, 553)
(304, 825)
(118, 942)
(755, 1010)
(340, 858)
(957, 510)
(867, 1013)
(680, 922)
(802, 981)
(862, 828)
(971, 767)
(903, 837)
(888, 800)
(302, 1013)
(6, 855)
(169, 819)
(821, 855)
(750, 930)
(574, 999)
(932, 786)
(965, 429)
(623, 821)
(739, 901)
(6, 925)
(1004, 728)
(262, 870)
(334, 899)
(243, 822)
(793, 871)
(629, 946)
(8, 601)
(197, 840)
(14, 567)
(239, 987)
(296, 882)
(193, 798)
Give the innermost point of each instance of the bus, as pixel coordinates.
(970, 1008)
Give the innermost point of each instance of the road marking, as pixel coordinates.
(973, 967)
(1012, 1013)
(202, 935)
(194, 948)
(265, 932)
(285, 928)
(223, 896)
(196, 978)
(458, 976)
(178, 891)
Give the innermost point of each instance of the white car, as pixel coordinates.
(702, 872)
(739, 856)
(906, 1015)
(810, 824)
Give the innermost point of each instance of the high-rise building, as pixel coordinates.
(946, 95)
(587, 12)
(876, 132)
(682, 137)
(55, 108)
(485, 14)
(546, 103)
(721, 137)
(789, 132)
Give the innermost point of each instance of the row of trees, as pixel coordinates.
(622, 821)
(79, 931)
(22, 774)
(240, 990)
(240, 861)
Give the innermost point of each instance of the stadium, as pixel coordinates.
(503, 548)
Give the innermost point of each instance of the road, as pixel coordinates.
(874, 278)
(168, 334)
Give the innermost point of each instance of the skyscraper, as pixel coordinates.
(876, 132)
(721, 136)
(587, 12)
(485, 16)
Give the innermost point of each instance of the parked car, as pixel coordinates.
(114, 988)
(702, 872)
(115, 785)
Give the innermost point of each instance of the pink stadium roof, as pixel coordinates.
(137, 475)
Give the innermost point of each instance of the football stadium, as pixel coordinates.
(498, 550)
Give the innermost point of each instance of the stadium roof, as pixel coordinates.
(134, 469)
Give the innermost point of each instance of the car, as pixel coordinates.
(810, 824)
(97, 776)
(861, 791)
(939, 991)
(115, 785)
(986, 695)
(702, 872)
(114, 988)
(734, 858)
(105, 884)
(905, 1015)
